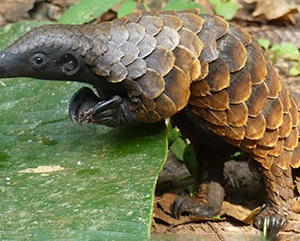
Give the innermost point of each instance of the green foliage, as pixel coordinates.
(182, 150)
(178, 147)
(127, 7)
(225, 8)
(182, 5)
(15, 30)
(190, 160)
(265, 43)
(86, 11)
(286, 50)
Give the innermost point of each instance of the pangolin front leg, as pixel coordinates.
(86, 106)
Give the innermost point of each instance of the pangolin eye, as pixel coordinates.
(38, 61)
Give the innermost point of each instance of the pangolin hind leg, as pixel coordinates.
(209, 194)
(211, 152)
(279, 187)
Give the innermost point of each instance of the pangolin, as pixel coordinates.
(204, 73)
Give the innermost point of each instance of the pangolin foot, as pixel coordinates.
(271, 222)
(206, 203)
(85, 105)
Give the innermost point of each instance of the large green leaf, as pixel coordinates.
(105, 188)
(12, 32)
(87, 10)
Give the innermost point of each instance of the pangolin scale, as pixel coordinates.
(208, 75)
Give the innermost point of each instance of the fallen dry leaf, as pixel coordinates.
(273, 9)
(163, 205)
(13, 11)
(239, 212)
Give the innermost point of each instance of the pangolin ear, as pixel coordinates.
(70, 64)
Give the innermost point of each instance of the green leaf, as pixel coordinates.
(182, 5)
(178, 148)
(295, 69)
(87, 10)
(106, 185)
(227, 9)
(12, 32)
(289, 51)
(215, 2)
(276, 49)
(265, 43)
(190, 160)
(173, 133)
(127, 7)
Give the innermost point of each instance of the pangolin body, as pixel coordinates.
(208, 75)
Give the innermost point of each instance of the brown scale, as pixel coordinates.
(222, 76)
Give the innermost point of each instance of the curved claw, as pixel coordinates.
(85, 105)
(102, 111)
(186, 204)
(271, 221)
(83, 100)
(206, 203)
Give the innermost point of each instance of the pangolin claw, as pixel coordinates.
(184, 204)
(81, 102)
(85, 105)
(270, 222)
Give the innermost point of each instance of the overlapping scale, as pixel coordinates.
(256, 64)
(137, 68)
(210, 51)
(136, 32)
(269, 138)
(188, 62)
(171, 21)
(183, 59)
(240, 34)
(146, 46)
(272, 81)
(190, 40)
(217, 25)
(152, 83)
(291, 142)
(218, 101)
(168, 38)
(257, 100)
(191, 21)
(256, 127)
(131, 52)
(177, 84)
(218, 76)
(153, 24)
(237, 115)
(286, 127)
(273, 113)
(240, 87)
(161, 60)
(232, 52)
(165, 106)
